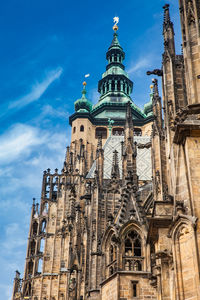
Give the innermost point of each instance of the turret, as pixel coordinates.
(115, 82)
(83, 104)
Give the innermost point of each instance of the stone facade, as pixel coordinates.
(105, 228)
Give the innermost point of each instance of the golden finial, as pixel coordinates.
(116, 21)
(151, 86)
(84, 83)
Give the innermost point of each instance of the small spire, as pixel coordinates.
(99, 144)
(151, 93)
(129, 117)
(155, 87)
(167, 20)
(84, 90)
(115, 165)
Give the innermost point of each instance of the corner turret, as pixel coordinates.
(83, 104)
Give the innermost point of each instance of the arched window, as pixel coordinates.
(101, 131)
(132, 259)
(111, 271)
(35, 226)
(44, 224)
(111, 254)
(82, 128)
(40, 265)
(128, 247)
(137, 131)
(113, 85)
(137, 247)
(74, 129)
(30, 267)
(42, 243)
(32, 247)
(118, 131)
(118, 85)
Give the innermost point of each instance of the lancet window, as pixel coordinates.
(132, 257)
(101, 131)
(35, 227)
(112, 259)
(32, 247)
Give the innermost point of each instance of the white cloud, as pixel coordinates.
(18, 141)
(37, 90)
(14, 238)
(48, 110)
(142, 63)
(14, 204)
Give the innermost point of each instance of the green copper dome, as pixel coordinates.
(83, 104)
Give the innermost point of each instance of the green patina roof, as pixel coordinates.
(109, 105)
(83, 104)
(115, 70)
(115, 88)
(115, 41)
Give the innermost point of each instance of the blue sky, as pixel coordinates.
(46, 48)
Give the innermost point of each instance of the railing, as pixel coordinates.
(133, 263)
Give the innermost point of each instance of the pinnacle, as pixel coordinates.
(167, 21)
(115, 41)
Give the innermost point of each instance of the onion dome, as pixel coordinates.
(148, 107)
(83, 104)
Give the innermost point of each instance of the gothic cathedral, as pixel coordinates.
(121, 220)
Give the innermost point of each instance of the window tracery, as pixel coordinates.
(132, 258)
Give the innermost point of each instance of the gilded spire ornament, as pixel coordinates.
(116, 21)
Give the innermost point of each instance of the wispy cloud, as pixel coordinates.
(139, 65)
(37, 90)
(49, 111)
(21, 140)
(17, 141)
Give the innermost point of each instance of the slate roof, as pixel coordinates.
(143, 160)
